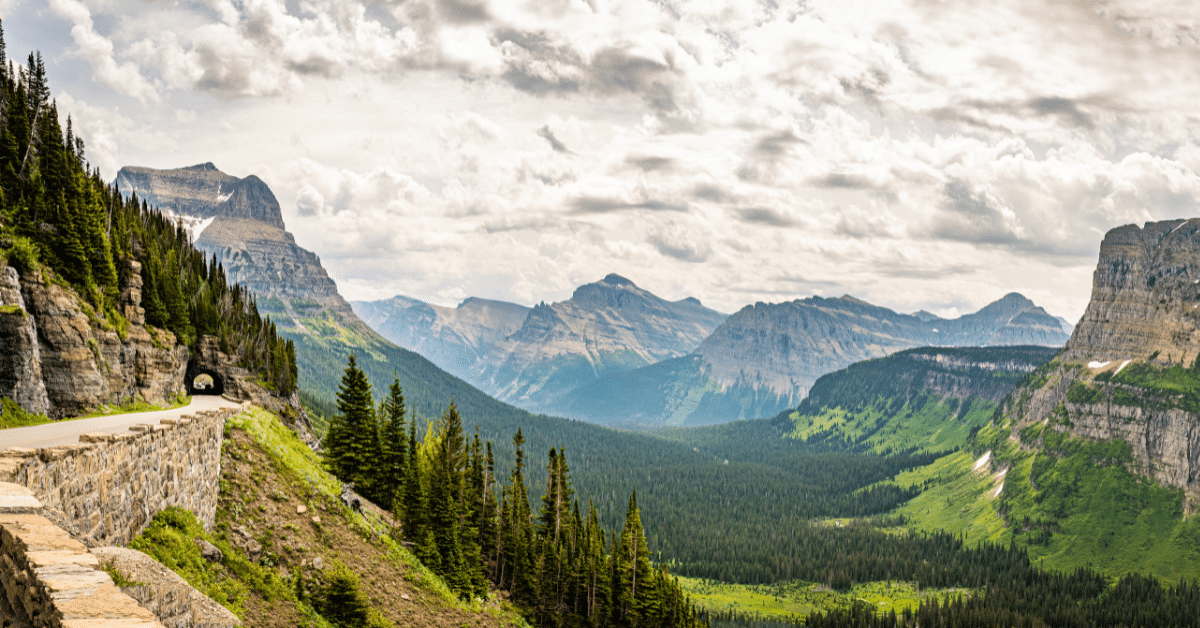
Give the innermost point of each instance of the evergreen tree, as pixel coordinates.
(416, 510)
(342, 603)
(393, 442)
(634, 593)
(353, 453)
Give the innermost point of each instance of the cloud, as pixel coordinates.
(558, 146)
(98, 51)
(650, 164)
(595, 205)
(766, 216)
(967, 215)
(673, 240)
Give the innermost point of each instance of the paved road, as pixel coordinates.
(67, 432)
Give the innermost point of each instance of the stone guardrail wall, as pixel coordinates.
(105, 489)
(49, 580)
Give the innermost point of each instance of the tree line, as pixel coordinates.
(1082, 599)
(559, 565)
(58, 215)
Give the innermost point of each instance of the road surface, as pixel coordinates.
(67, 432)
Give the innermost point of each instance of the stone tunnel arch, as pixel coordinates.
(203, 380)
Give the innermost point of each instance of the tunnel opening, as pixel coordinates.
(205, 382)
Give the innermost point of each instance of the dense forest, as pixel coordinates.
(58, 217)
(559, 564)
(1038, 599)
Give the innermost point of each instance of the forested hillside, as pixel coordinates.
(59, 218)
(558, 565)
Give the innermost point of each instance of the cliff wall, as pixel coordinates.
(57, 360)
(106, 489)
(1129, 370)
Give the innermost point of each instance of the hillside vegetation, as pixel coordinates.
(57, 217)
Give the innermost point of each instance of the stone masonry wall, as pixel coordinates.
(49, 580)
(106, 489)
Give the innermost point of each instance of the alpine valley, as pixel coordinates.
(614, 459)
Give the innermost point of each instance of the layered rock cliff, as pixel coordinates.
(454, 338)
(57, 360)
(1129, 371)
(240, 222)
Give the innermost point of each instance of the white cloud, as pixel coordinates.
(735, 151)
(98, 51)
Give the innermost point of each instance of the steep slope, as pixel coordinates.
(452, 338)
(927, 399)
(764, 358)
(1096, 459)
(605, 327)
(243, 227)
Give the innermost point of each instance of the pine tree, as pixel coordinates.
(354, 453)
(449, 508)
(342, 603)
(416, 508)
(393, 442)
(633, 586)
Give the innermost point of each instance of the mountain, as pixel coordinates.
(240, 222)
(533, 357)
(764, 358)
(927, 399)
(1095, 459)
(452, 338)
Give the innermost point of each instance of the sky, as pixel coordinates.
(919, 154)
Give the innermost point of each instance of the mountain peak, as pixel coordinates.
(613, 279)
(208, 165)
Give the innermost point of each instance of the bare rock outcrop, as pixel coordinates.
(59, 360)
(1144, 314)
(20, 358)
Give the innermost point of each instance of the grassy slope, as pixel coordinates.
(1072, 502)
(266, 474)
(795, 600)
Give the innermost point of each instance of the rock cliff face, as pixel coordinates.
(240, 221)
(605, 327)
(1128, 371)
(201, 192)
(452, 338)
(58, 361)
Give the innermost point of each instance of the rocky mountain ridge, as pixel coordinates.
(608, 326)
(1129, 370)
(454, 338)
(764, 358)
(785, 347)
(241, 223)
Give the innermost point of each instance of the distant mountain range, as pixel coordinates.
(240, 222)
(615, 353)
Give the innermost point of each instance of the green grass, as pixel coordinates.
(13, 415)
(171, 540)
(957, 500)
(796, 600)
(1077, 504)
(929, 423)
